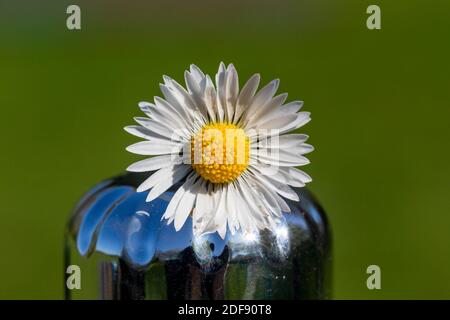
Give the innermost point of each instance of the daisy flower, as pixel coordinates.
(228, 148)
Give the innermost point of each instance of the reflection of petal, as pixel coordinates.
(134, 226)
(130, 231)
(114, 230)
(282, 238)
(245, 244)
(95, 213)
(281, 232)
(209, 250)
(250, 237)
(141, 212)
(140, 243)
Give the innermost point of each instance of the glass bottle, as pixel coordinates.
(125, 251)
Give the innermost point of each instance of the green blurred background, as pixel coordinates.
(379, 101)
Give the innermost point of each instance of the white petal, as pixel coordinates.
(244, 215)
(178, 173)
(278, 157)
(156, 177)
(221, 88)
(154, 163)
(265, 111)
(222, 230)
(255, 210)
(266, 196)
(145, 107)
(160, 128)
(292, 150)
(210, 98)
(292, 107)
(298, 174)
(209, 224)
(280, 174)
(282, 189)
(154, 148)
(291, 122)
(286, 141)
(283, 205)
(142, 132)
(173, 204)
(246, 96)
(260, 99)
(192, 82)
(204, 210)
(196, 72)
(302, 119)
(278, 123)
(173, 99)
(185, 206)
(232, 84)
(303, 149)
(202, 214)
(220, 218)
(163, 111)
(184, 98)
(233, 223)
(194, 86)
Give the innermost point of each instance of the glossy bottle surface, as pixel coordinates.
(125, 251)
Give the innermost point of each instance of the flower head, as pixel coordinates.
(230, 148)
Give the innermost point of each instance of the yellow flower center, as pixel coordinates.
(220, 152)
